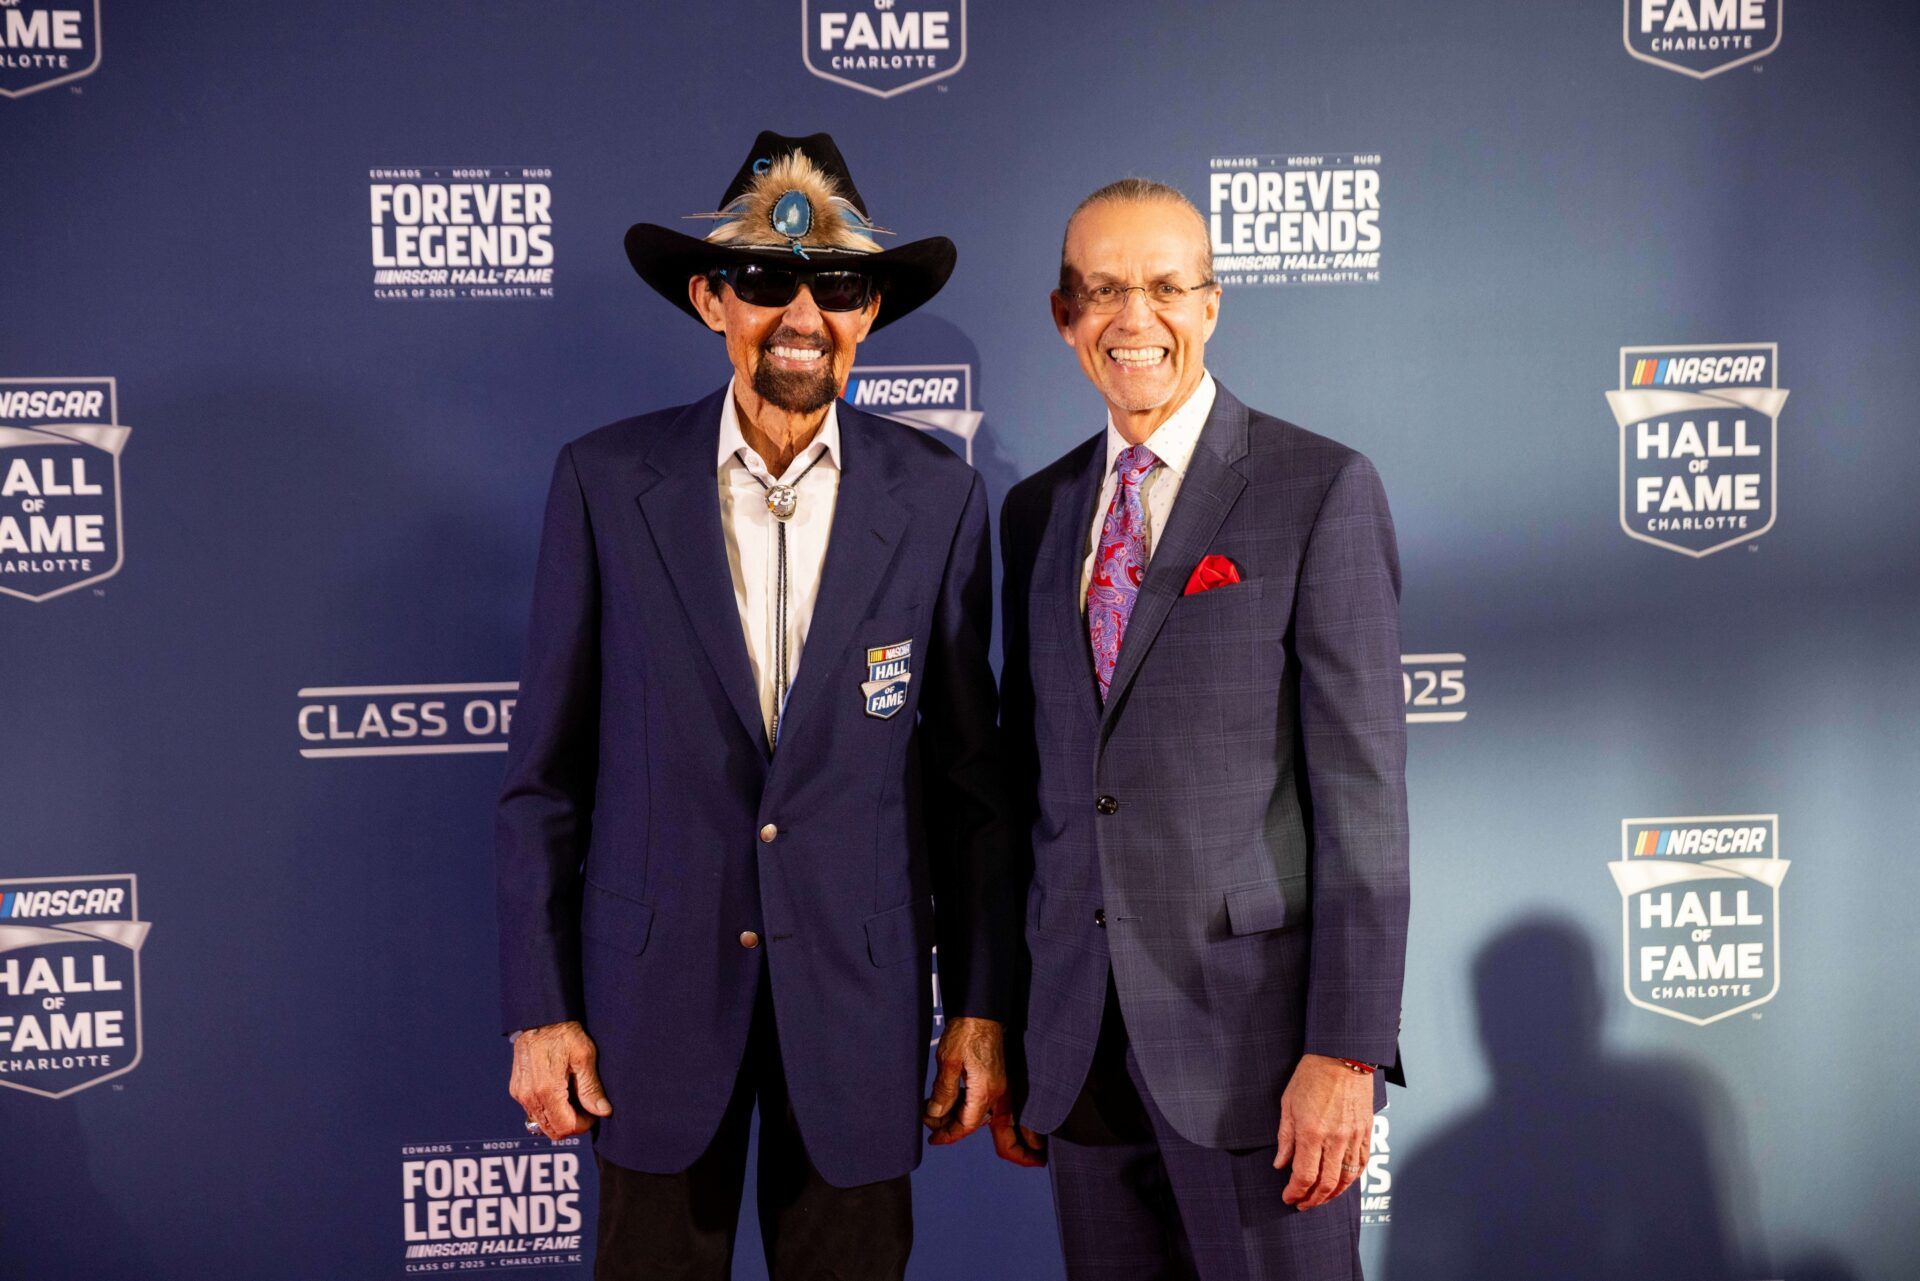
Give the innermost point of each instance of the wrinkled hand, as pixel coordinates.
(555, 1078)
(1326, 1130)
(971, 1050)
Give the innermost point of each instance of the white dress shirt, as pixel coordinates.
(752, 536)
(1172, 442)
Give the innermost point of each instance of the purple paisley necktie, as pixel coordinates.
(1119, 562)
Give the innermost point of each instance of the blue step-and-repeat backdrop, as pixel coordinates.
(300, 300)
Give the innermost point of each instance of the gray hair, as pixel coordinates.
(1136, 190)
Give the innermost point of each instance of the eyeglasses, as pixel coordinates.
(1104, 300)
(759, 285)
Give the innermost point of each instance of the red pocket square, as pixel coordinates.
(1211, 572)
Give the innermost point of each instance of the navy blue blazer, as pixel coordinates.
(643, 824)
(1228, 835)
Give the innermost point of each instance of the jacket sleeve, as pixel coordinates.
(1354, 739)
(545, 813)
(977, 918)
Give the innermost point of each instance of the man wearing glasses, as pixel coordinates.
(1203, 714)
(753, 774)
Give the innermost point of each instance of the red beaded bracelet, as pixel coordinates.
(1365, 1069)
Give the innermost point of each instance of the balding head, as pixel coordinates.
(1142, 191)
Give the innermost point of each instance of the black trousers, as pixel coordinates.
(680, 1227)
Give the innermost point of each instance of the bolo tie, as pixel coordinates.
(782, 502)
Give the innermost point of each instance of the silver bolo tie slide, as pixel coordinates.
(782, 502)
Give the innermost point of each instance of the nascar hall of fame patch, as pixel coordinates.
(1294, 220)
(883, 47)
(1434, 687)
(491, 1203)
(475, 231)
(885, 689)
(1701, 38)
(405, 720)
(1375, 1184)
(69, 982)
(934, 398)
(1700, 913)
(1699, 443)
(45, 44)
(60, 443)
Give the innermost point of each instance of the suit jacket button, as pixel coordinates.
(1100, 917)
(749, 939)
(767, 834)
(1106, 805)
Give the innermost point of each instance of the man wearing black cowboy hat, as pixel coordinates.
(753, 775)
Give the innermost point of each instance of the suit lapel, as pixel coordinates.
(1057, 569)
(1207, 494)
(681, 503)
(868, 524)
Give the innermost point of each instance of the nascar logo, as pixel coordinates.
(43, 45)
(60, 445)
(69, 982)
(933, 398)
(1700, 914)
(886, 47)
(1701, 38)
(1699, 434)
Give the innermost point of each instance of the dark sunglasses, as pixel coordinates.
(760, 285)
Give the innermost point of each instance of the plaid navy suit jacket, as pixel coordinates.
(1253, 877)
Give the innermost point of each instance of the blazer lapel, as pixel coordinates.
(1059, 562)
(868, 524)
(681, 502)
(1207, 493)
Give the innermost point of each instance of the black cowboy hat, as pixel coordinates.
(820, 222)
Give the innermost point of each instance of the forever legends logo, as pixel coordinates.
(43, 45)
(1699, 443)
(1700, 913)
(69, 982)
(60, 443)
(883, 47)
(1701, 38)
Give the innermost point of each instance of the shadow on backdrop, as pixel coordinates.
(1578, 1166)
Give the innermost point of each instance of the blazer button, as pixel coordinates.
(1106, 805)
(1100, 917)
(767, 834)
(749, 939)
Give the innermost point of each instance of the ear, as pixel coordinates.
(1062, 315)
(1210, 314)
(869, 314)
(707, 303)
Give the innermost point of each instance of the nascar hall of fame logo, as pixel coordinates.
(934, 398)
(1435, 688)
(1701, 38)
(60, 443)
(69, 982)
(491, 1203)
(1699, 443)
(479, 231)
(405, 720)
(883, 47)
(46, 44)
(1375, 1184)
(1295, 220)
(1700, 913)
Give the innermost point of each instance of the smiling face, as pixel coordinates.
(795, 358)
(1145, 362)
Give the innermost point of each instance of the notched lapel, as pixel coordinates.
(868, 524)
(681, 503)
(1207, 493)
(1056, 573)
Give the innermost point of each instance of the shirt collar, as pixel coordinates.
(1173, 441)
(733, 442)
